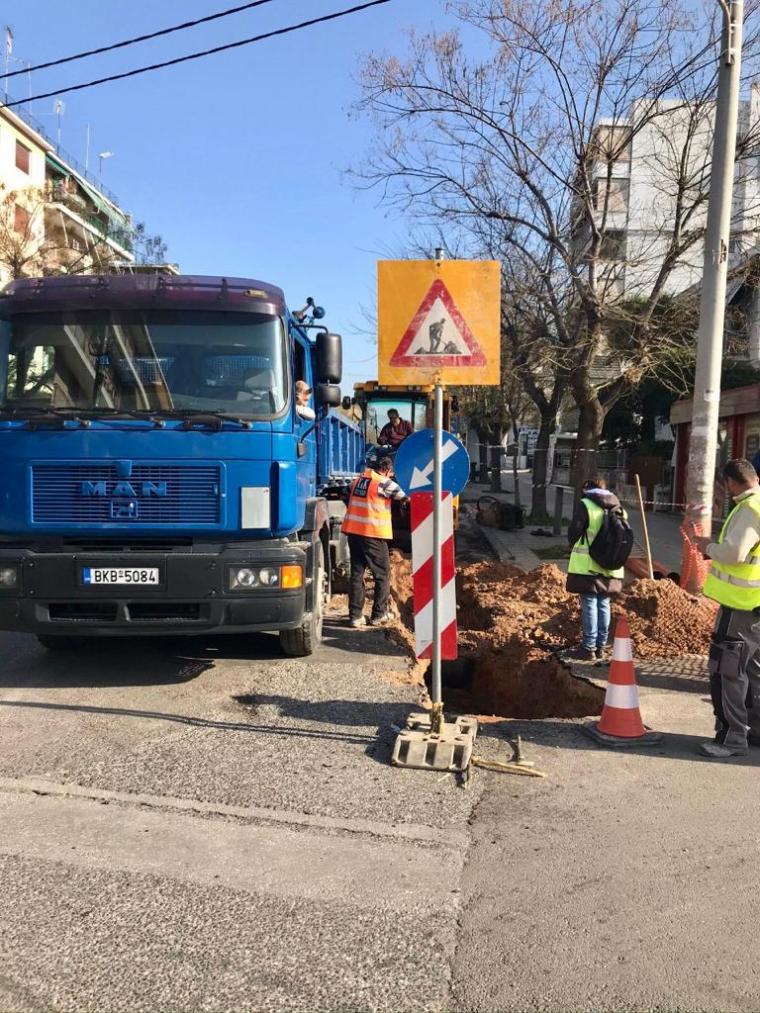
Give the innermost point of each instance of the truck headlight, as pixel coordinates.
(244, 577)
(8, 577)
(248, 578)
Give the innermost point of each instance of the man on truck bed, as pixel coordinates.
(369, 529)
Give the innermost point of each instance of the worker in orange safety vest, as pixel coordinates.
(368, 527)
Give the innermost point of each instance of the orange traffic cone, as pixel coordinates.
(620, 723)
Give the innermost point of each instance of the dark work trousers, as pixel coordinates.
(735, 676)
(369, 554)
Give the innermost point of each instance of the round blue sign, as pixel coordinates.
(413, 463)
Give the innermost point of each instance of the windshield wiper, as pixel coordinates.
(37, 416)
(62, 413)
(191, 417)
(107, 412)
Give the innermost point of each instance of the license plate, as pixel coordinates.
(120, 575)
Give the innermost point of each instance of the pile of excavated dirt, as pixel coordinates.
(508, 602)
(512, 623)
(665, 621)
(402, 594)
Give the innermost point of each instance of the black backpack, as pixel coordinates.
(613, 542)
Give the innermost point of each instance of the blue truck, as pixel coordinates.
(159, 475)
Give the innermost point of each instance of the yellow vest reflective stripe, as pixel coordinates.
(368, 513)
(736, 585)
(580, 557)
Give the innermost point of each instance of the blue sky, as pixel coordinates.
(237, 160)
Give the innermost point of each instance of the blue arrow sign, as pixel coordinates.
(413, 463)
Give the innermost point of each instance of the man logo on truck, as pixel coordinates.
(124, 489)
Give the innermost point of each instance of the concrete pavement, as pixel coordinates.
(624, 882)
(518, 546)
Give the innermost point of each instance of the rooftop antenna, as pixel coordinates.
(59, 108)
(8, 52)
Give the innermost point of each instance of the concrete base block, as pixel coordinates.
(422, 721)
(591, 729)
(417, 747)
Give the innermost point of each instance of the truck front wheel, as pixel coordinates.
(303, 641)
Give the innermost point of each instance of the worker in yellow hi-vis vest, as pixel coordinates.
(586, 575)
(734, 582)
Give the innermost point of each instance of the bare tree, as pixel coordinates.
(147, 248)
(529, 144)
(36, 241)
(32, 243)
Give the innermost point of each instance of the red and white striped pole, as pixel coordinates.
(421, 522)
(441, 617)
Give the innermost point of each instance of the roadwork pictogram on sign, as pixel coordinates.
(438, 334)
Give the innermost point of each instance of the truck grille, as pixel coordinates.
(95, 494)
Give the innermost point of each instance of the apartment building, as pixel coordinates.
(638, 173)
(54, 215)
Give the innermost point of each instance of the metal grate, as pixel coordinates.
(190, 494)
(145, 369)
(159, 612)
(83, 612)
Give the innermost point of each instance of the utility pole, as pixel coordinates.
(703, 442)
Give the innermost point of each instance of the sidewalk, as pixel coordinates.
(518, 546)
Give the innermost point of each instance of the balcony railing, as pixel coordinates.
(64, 155)
(107, 228)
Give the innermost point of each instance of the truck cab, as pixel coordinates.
(159, 475)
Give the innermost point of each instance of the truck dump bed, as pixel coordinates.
(340, 453)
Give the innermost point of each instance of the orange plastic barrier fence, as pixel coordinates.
(693, 566)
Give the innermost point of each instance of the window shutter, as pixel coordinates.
(20, 219)
(22, 157)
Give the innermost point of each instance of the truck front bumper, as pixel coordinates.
(193, 596)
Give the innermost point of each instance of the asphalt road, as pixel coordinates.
(208, 826)
(204, 825)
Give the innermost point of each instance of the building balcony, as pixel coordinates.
(89, 225)
(60, 193)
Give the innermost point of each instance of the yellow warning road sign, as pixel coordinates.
(438, 320)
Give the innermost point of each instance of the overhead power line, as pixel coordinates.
(197, 56)
(139, 38)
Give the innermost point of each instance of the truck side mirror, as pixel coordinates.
(328, 394)
(329, 358)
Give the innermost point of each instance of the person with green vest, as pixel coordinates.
(734, 582)
(585, 576)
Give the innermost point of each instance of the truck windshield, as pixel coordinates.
(147, 360)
